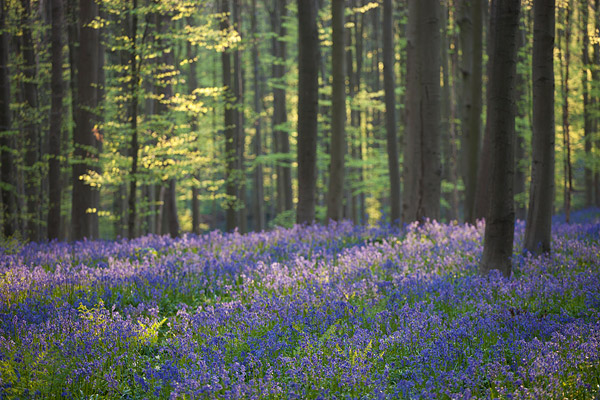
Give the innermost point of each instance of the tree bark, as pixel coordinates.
(587, 109)
(565, 54)
(6, 143)
(56, 110)
(31, 126)
(308, 105)
(538, 228)
(596, 88)
(422, 165)
(335, 193)
(281, 140)
(240, 138)
(522, 106)
(134, 145)
(500, 220)
(390, 111)
(471, 33)
(84, 140)
(230, 146)
(259, 195)
(193, 85)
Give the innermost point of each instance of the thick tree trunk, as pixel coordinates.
(84, 136)
(500, 220)
(56, 110)
(31, 126)
(471, 33)
(390, 111)
(6, 143)
(538, 228)
(308, 106)
(422, 165)
(335, 193)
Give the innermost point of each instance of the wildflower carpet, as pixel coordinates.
(330, 312)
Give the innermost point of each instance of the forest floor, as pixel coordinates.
(331, 312)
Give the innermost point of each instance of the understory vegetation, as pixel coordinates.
(337, 312)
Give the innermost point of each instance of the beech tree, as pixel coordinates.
(335, 193)
(538, 228)
(86, 133)
(308, 107)
(56, 111)
(422, 163)
(390, 110)
(500, 218)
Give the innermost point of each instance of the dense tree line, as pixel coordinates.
(130, 117)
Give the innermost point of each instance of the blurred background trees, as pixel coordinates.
(130, 117)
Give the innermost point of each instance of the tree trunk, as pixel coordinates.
(193, 85)
(500, 220)
(471, 33)
(281, 140)
(308, 106)
(522, 106)
(31, 126)
(538, 228)
(596, 89)
(56, 110)
(565, 53)
(84, 135)
(240, 138)
(482, 189)
(390, 111)
(134, 146)
(422, 166)
(6, 143)
(587, 109)
(259, 191)
(335, 193)
(230, 148)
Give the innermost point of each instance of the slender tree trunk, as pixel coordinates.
(521, 106)
(587, 109)
(31, 125)
(6, 143)
(280, 135)
(240, 138)
(193, 85)
(482, 190)
(390, 111)
(308, 106)
(565, 57)
(449, 136)
(500, 220)
(338, 114)
(422, 165)
(596, 89)
(56, 110)
(83, 137)
(538, 228)
(259, 195)
(134, 146)
(230, 146)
